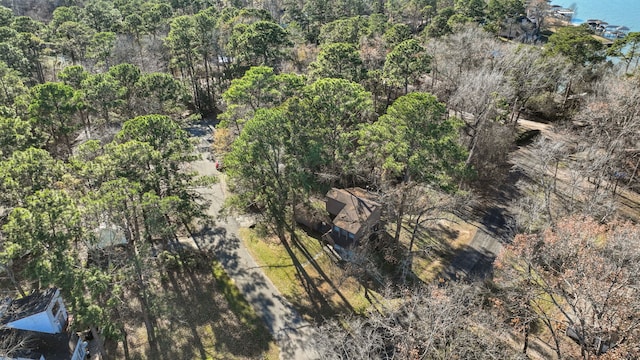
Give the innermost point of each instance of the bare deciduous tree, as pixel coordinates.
(580, 278)
(612, 119)
(449, 322)
(530, 73)
(12, 342)
(454, 56)
(482, 98)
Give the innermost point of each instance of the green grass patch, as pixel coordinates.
(236, 301)
(279, 267)
(244, 312)
(427, 270)
(276, 263)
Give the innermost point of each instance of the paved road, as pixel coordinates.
(294, 336)
(475, 261)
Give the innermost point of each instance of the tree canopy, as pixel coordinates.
(107, 107)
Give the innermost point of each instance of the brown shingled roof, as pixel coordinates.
(356, 209)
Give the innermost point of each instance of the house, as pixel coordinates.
(40, 346)
(43, 313)
(39, 321)
(354, 216)
(109, 236)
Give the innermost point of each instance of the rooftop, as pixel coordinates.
(11, 310)
(52, 346)
(357, 207)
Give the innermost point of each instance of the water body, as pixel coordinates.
(615, 12)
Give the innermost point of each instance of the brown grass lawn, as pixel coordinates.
(436, 244)
(201, 316)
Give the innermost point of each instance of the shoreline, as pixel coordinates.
(553, 23)
(595, 14)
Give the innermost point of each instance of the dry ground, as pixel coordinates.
(436, 244)
(627, 201)
(201, 315)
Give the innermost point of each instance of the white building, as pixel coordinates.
(41, 318)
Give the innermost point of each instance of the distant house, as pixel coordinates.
(41, 319)
(109, 236)
(354, 215)
(520, 28)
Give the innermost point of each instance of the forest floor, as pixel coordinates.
(568, 187)
(501, 208)
(203, 317)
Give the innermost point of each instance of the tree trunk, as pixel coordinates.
(566, 95)
(137, 37)
(472, 147)
(635, 172)
(555, 175)
(125, 343)
(210, 97)
(125, 338)
(525, 346)
(39, 72)
(67, 142)
(13, 280)
(99, 342)
(145, 305)
(413, 234)
(400, 215)
(554, 335)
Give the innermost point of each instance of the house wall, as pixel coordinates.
(61, 315)
(341, 236)
(40, 322)
(80, 351)
(45, 321)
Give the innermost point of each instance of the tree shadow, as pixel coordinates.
(275, 313)
(500, 224)
(325, 278)
(471, 265)
(215, 240)
(203, 315)
(500, 189)
(435, 240)
(318, 305)
(490, 208)
(202, 130)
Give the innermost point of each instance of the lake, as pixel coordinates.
(618, 12)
